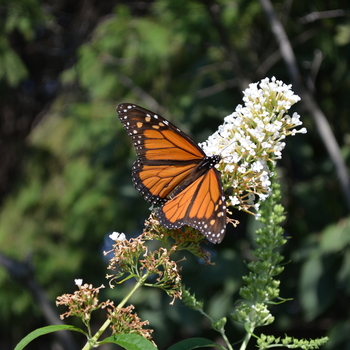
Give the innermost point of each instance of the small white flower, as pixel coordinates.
(296, 119)
(229, 168)
(116, 236)
(301, 131)
(257, 216)
(266, 145)
(242, 169)
(234, 200)
(265, 180)
(257, 166)
(263, 196)
(78, 282)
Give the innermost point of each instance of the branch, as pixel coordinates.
(142, 94)
(215, 89)
(313, 16)
(276, 56)
(314, 69)
(308, 100)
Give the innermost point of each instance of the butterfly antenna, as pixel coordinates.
(227, 146)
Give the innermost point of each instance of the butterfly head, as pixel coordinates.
(209, 162)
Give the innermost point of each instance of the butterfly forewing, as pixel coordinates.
(155, 138)
(161, 145)
(171, 169)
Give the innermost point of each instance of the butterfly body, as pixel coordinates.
(172, 171)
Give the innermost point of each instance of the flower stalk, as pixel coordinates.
(94, 340)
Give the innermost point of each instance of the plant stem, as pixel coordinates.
(221, 331)
(91, 342)
(226, 340)
(246, 340)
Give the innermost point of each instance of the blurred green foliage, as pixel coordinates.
(189, 61)
(22, 17)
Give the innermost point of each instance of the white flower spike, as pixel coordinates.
(251, 138)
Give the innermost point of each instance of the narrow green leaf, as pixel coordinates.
(193, 343)
(45, 330)
(130, 342)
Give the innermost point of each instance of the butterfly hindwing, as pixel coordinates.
(156, 183)
(200, 205)
(173, 171)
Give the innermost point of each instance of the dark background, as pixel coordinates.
(65, 160)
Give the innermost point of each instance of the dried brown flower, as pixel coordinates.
(83, 302)
(123, 321)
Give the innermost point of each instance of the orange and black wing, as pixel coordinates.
(167, 157)
(200, 205)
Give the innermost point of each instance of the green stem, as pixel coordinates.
(91, 343)
(221, 331)
(226, 340)
(139, 283)
(246, 340)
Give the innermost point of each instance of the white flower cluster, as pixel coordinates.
(251, 138)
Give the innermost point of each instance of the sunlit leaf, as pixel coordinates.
(45, 330)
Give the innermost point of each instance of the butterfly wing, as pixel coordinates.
(171, 169)
(200, 205)
(167, 157)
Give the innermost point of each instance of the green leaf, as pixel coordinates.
(193, 343)
(335, 238)
(130, 342)
(13, 69)
(45, 330)
(317, 283)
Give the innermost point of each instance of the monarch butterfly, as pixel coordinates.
(172, 171)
